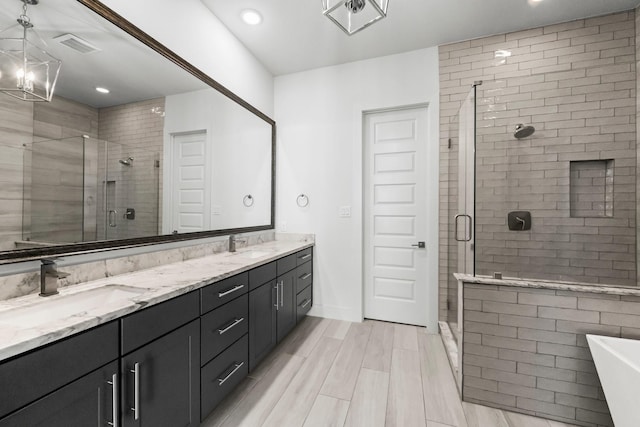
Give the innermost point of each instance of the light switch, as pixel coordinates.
(283, 226)
(344, 212)
(216, 210)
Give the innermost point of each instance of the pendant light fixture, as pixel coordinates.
(27, 71)
(354, 15)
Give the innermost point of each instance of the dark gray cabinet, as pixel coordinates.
(166, 365)
(262, 322)
(161, 381)
(286, 310)
(161, 377)
(92, 397)
(275, 303)
(34, 386)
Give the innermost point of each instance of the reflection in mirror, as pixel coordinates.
(156, 151)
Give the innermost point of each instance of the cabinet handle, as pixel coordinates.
(305, 276)
(305, 303)
(223, 380)
(305, 256)
(114, 395)
(282, 293)
(277, 304)
(229, 291)
(231, 325)
(136, 391)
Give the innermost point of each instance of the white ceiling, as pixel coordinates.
(131, 70)
(295, 36)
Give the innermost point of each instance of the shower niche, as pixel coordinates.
(591, 188)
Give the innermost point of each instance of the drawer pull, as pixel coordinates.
(305, 256)
(236, 367)
(305, 276)
(305, 303)
(231, 325)
(136, 391)
(114, 406)
(230, 291)
(277, 305)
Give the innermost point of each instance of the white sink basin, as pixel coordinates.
(59, 307)
(618, 364)
(252, 254)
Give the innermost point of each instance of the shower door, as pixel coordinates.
(460, 203)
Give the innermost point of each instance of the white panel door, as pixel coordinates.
(190, 184)
(395, 213)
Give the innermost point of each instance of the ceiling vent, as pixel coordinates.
(76, 43)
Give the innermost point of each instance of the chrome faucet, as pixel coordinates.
(49, 276)
(232, 242)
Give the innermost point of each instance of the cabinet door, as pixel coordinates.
(88, 401)
(287, 303)
(262, 322)
(161, 381)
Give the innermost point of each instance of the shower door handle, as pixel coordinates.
(112, 218)
(467, 238)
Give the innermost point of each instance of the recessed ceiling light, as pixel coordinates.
(251, 17)
(102, 90)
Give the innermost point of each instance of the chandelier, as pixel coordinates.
(354, 15)
(27, 71)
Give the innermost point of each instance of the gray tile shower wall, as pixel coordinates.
(576, 83)
(525, 349)
(140, 127)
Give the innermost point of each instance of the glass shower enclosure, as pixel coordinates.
(81, 189)
(541, 185)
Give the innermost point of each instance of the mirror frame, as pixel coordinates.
(105, 12)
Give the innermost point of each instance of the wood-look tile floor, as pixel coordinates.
(334, 373)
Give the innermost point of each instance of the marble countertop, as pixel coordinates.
(21, 330)
(545, 284)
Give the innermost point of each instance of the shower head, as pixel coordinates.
(127, 161)
(523, 131)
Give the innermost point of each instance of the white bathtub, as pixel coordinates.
(618, 363)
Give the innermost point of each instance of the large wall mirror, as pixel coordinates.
(135, 147)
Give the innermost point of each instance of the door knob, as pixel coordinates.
(420, 245)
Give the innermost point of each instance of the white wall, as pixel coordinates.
(190, 29)
(239, 157)
(319, 124)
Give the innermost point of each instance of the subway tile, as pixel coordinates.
(625, 320)
(547, 300)
(489, 362)
(509, 377)
(575, 364)
(507, 308)
(569, 314)
(546, 408)
(488, 396)
(546, 372)
(612, 306)
(567, 387)
(527, 357)
(524, 391)
(587, 328)
(547, 336)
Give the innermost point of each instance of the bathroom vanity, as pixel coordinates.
(166, 355)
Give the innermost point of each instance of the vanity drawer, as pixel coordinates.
(287, 263)
(261, 275)
(145, 326)
(304, 256)
(224, 291)
(303, 303)
(223, 326)
(304, 276)
(38, 373)
(223, 374)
